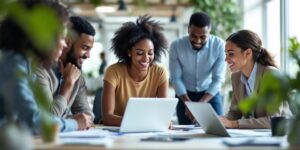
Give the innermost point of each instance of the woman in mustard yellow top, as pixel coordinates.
(138, 46)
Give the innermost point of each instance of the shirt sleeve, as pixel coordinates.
(81, 103)
(66, 125)
(234, 112)
(24, 102)
(111, 75)
(58, 102)
(218, 70)
(176, 71)
(163, 74)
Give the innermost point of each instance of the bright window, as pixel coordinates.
(294, 30)
(272, 27)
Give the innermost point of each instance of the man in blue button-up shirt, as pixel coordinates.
(197, 67)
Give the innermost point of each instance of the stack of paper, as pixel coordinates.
(86, 137)
(249, 132)
(263, 141)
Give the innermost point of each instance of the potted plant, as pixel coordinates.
(279, 88)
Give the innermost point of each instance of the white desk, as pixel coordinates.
(198, 140)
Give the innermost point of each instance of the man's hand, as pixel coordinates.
(84, 121)
(189, 115)
(70, 73)
(206, 98)
(229, 123)
(185, 98)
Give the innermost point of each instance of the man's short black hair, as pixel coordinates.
(80, 25)
(200, 19)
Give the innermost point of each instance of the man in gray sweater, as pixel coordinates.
(63, 82)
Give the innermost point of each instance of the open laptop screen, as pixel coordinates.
(207, 118)
(148, 114)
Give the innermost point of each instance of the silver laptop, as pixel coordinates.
(148, 114)
(209, 121)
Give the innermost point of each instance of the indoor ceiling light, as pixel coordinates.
(105, 9)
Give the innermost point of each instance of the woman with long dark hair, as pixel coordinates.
(249, 62)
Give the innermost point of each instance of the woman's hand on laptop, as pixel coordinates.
(229, 123)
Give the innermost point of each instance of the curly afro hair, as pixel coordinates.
(131, 33)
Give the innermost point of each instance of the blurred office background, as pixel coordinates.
(274, 20)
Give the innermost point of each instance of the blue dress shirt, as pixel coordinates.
(196, 71)
(18, 97)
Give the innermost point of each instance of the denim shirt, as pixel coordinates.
(17, 96)
(197, 71)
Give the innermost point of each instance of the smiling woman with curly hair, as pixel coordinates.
(137, 46)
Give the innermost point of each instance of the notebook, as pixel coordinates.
(148, 114)
(209, 121)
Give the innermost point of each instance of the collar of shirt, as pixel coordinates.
(251, 81)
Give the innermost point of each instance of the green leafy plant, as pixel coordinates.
(43, 33)
(47, 129)
(225, 15)
(278, 88)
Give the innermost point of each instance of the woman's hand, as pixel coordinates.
(170, 125)
(229, 123)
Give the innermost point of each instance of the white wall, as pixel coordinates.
(253, 15)
(263, 17)
(265, 20)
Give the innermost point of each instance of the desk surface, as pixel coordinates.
(127, 141)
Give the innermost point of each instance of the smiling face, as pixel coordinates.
(236, 58)
(198, 36)
(80, 50)
(142, 55)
